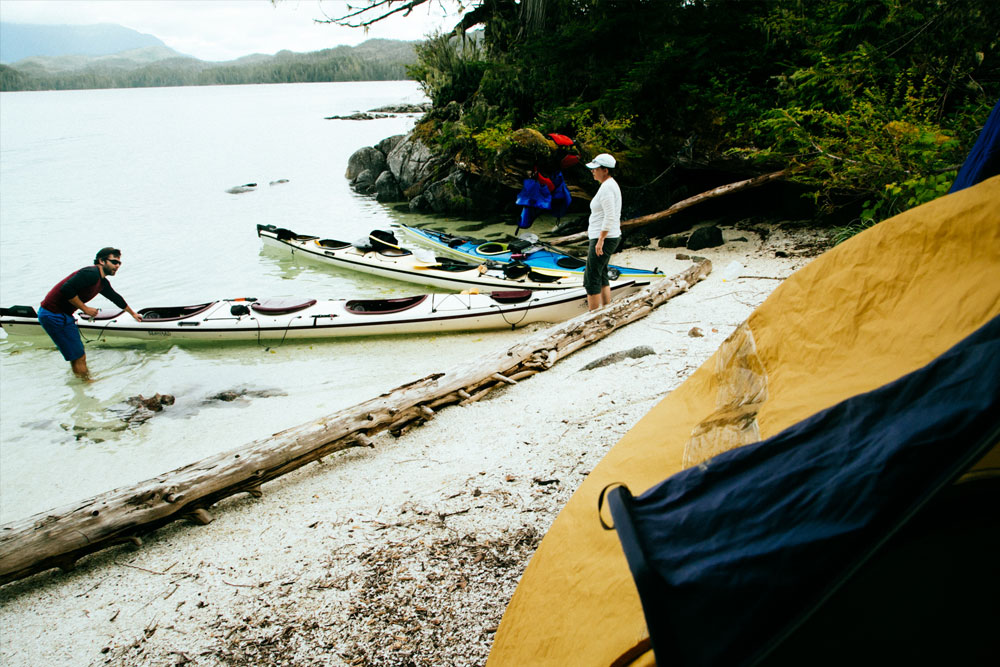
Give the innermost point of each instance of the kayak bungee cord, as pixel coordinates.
(435, 304)
(284, 335)
(503, 313)
(288, 326)
(100, 331)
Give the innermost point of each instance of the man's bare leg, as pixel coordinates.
(605, 295)
(79, 367)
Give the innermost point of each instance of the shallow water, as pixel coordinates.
(147, 170)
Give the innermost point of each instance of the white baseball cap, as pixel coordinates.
(602, 160)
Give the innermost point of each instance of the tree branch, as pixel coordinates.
(385, 4)
(729, 188)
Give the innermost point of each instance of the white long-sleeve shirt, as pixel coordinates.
(606, 211)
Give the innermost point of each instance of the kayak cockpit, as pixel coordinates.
(450, 265)
(18, 311)
(383, 306)
(283, 234)
(279, 306)
(383, 242)
(492, 248)
(511, 296)
(172, 312)
(537, 277)
(332, 244)
(570, 263)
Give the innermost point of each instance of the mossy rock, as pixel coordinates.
(531, 145)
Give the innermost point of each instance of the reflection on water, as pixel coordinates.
(87, 417)
(93, 410)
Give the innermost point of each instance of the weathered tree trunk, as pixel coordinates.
(60, 537)
(727, 189)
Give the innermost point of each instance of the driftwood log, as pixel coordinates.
(727, 189)
(60, 537)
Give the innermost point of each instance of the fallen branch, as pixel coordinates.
(681, 205)
(62, 536)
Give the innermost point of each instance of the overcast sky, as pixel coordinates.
(227, 29)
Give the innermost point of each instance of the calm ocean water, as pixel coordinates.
(147, 170)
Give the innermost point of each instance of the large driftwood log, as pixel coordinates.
(727, 189)
(58, 538)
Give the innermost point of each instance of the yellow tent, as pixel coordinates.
(875, 308)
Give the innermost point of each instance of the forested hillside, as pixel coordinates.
(373, 60)
(871, 104)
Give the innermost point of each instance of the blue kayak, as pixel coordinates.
(535, 255)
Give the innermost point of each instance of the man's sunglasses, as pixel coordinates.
(116, 262)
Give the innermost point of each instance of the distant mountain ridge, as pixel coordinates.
(25, 40)
(157, 65)
(129, 59)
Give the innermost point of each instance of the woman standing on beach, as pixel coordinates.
(604, 231)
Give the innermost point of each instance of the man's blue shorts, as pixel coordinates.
(63, 332)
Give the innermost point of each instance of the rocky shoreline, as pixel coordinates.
(403, 169)
(406, 171)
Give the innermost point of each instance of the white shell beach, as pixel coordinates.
(405, 553)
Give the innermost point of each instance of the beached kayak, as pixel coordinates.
(278, 319)
(381, 255)
(535, 255)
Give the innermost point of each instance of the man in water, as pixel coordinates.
(72, 292)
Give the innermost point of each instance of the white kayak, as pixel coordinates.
(382, 256)
(279, 319)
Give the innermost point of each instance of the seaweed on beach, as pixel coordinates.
(421, 598)
(409, 602)
(435, 604)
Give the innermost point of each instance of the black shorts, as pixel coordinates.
(595, 276)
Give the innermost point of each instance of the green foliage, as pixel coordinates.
(494, 140)
(853, 94)
(602, 135)
(899, 197)
(449, 69)
(841, 234)
(881, 138)
(884, 100)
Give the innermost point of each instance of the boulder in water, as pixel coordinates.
(154, 403)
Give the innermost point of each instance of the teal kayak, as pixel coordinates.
(535, 255)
